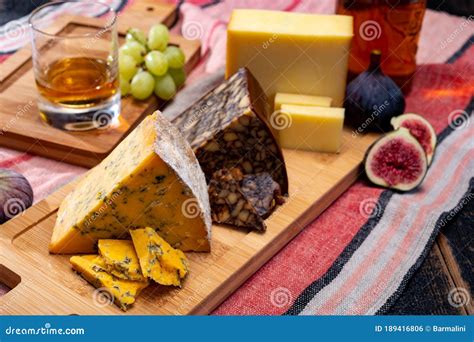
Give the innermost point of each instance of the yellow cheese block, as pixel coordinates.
(159, 261)
(151, 179)
(121, 259)
(93, 269)
(301, 100)
(312, 128)
(291, 52)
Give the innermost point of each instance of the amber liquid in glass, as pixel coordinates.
(79, 93)
(78, 82)
(392, 26)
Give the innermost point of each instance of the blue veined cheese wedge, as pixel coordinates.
(151, 179)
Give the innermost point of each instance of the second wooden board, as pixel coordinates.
(21, 126)
(45, 284)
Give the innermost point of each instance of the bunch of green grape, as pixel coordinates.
(149, 65)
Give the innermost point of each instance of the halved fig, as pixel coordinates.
(397, 161)
(420, 128)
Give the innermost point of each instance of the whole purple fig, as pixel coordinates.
(372, 99)
(16, 194)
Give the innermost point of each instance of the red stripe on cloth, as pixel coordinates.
(3, 58)
(292, 6)
(439, 89)
(196, 2)
(466, 57)
(15, 160)
(364, 268)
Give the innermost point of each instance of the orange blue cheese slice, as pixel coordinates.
(93, 269)
(158, 260)
(120, 259)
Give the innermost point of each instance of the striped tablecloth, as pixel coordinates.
(358, 255)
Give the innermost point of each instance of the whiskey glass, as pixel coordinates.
(76, 64)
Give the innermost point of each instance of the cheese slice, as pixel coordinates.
(120, 259)
(151, 179)
(312, 128)
(301, 100)
(93, 269)
(291, 52)
(159, 261)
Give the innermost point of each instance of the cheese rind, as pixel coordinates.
(93, 269)
(147, 181)
(158, 260)
(312, 128)
(120, 259)
(291, 52)
(301, 100)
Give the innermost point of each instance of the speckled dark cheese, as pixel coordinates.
(229, 128)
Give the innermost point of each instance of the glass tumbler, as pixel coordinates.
(75, 64)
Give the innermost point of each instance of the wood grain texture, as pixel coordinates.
(456, 242)
(21, 127)
(49, 286)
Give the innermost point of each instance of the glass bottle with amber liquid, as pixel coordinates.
(391, 26)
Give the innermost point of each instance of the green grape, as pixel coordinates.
(142, 85)
(158, 37)
(127, 67)
(178, 75)
(175, 57)
(137, 35)
(134, 49)
(124, 87)
(156, 63)
(164, 87)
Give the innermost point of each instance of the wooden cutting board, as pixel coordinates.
(45, 284)
(20, 123)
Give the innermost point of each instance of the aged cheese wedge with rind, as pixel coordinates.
(151, 179)
(121, 259)
(291, 52)
(93, 269)
(301, 100)
(159, 261)
(230, 128)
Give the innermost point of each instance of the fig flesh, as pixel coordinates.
(397, 161)
(16, 194)
(421, 130)
(373, 98)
